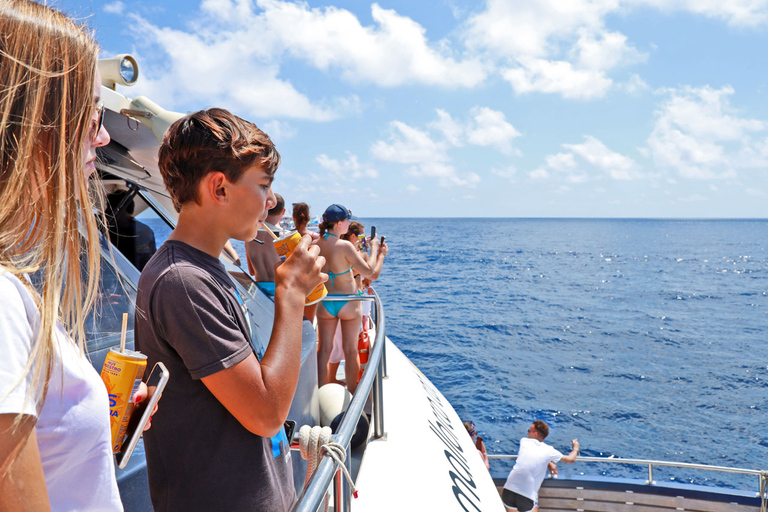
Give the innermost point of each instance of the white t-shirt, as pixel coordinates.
(73, 431)
(531, 467)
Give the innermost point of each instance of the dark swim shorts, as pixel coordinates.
(514, 500)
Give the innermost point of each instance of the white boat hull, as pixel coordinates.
(427, 461)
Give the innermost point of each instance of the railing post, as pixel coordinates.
(378, 402)
(346, 506)
(650, 474)
(384, 373)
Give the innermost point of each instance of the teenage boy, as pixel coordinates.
(217, 442)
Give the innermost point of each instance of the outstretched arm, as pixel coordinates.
(259, 394)
(370, 267)
(571, 457)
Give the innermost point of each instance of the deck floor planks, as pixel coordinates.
(598, 500)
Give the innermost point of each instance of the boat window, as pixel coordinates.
(135, 229)
(117, 295)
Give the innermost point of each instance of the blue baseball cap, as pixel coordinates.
(336, 213)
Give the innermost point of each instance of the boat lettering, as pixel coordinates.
(460, 475)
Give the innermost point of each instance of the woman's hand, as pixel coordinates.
(140, 396)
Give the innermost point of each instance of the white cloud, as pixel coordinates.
(279, 131)
(395, 51)
(351, 168)
(557, 77)
(699, 135)
(489, 128)
(746, 13)
(412, 188)
(520, 27)
(604, 50)
(428, 153)
(634, 85)
(485, 127)
(114, 7)
(452, 130)
(552, 46)
(590, 160)
(204, 68)
(597, 154)
(233, 51)
(425, 156)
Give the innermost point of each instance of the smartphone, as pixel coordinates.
(382, 239)
(373, 232)
(142, 412)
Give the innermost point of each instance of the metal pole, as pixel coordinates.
(378, 402)
(650, 474)
(346, 505)
(338, 493)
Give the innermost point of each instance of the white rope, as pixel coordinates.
(313, 441)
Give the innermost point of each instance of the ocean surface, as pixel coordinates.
(641, 338)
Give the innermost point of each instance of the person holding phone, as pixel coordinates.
(55, 443)
(342, 262)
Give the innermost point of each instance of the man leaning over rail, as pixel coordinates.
(521, 490)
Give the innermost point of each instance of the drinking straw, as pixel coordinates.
(122, 334)
(273, 234)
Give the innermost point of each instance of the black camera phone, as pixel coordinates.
(373, 232)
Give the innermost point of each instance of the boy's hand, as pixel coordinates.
(302, 270)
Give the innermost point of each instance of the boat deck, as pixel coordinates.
(621, 495)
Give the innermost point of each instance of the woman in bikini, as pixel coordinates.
(341, 257)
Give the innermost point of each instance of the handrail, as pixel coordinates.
(761, 474)
(314, 491)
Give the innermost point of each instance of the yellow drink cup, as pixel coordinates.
(121, 373)
(284, 247)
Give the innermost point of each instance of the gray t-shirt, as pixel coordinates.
(189, 315)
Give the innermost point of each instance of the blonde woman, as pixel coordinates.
(343, 261)
(55, 448)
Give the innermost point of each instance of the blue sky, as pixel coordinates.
(455, 108)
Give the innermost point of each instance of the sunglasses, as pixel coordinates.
(96, 126)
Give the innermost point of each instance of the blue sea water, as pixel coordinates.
(641, 338)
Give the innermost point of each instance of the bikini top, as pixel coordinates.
(331, 275)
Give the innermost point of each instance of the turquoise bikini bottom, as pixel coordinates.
(334, 306)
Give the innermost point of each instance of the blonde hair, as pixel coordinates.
(47, 70)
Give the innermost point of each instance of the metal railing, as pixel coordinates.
(314, 491)
(761, 474)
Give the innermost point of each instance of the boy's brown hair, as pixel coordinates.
(208, 141)
(542, 428)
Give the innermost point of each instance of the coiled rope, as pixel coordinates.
(313, 441)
